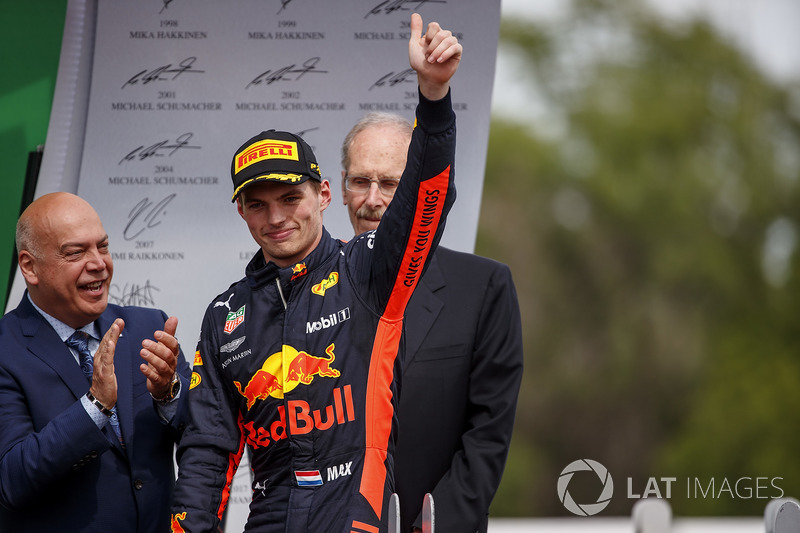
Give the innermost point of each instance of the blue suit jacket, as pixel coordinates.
(58, 471)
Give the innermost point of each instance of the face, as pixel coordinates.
(70, 279)
(377, 152)
(285, 220)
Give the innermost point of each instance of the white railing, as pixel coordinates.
(655, 516)
(622, 525)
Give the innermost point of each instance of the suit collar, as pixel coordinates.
(426, 308)
(63, 330)
(434, 278)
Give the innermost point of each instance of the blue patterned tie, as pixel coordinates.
(79, 341)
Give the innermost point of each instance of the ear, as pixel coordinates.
(344, 190)
(27, 265)
(325, 195)
(239, 205)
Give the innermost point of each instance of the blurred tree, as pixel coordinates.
(650, 217)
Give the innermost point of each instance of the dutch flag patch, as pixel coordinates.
(308, 478)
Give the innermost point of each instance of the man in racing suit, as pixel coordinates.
(297, 360)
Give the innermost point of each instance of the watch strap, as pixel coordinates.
(103, 409)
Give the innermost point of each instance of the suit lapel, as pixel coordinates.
(45, 344)
(423, 309)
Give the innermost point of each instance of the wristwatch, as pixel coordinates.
(174, 388)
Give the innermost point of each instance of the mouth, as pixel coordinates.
(94, 287)
(279, 235)
(370, 216)
(367, 224)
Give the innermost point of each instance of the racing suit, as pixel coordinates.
(299, 364)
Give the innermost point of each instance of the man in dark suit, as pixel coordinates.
(86, 444)
(463, 342)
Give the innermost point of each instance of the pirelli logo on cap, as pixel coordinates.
(267, 149)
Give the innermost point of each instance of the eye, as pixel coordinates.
(389, 184)
(360, 182)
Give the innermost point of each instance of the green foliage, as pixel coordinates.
(651, 223)
(30, 43)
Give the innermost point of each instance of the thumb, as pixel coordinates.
(416, 26)
(171, 325)
(120, 325)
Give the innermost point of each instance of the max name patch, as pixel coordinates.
(266, 149)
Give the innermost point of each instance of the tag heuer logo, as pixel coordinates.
(234, 319)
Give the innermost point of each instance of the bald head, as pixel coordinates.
(63, 255)
(41, 213)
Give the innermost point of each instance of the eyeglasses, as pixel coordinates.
(361, 185)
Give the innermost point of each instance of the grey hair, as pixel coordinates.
(25, 238)
(373, 118)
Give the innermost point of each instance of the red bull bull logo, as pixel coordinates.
(298, 418)
(305, 366)
(175, 525)
(263, 384)
(284, 370)
(298, 270)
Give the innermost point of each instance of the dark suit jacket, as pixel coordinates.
(58, 471)
(458, 390)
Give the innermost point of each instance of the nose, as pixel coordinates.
(374, 196)
(275, 216)
(96, 260)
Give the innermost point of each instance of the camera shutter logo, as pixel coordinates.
(585, 509)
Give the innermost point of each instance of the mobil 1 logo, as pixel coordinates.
(326, 322)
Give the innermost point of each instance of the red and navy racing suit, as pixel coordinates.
(299, 364)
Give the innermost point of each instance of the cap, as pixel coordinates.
(273, 156)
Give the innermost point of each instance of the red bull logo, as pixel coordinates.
(298, 270)
(233, 320)
(298, 418)
(305, 366)
(284, 370)
(325, 284)
(262, 385)
(175, 525)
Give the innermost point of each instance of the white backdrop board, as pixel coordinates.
(174, 87)
(154, 96)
